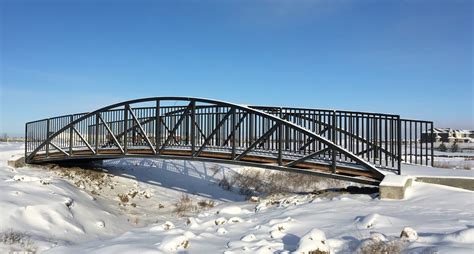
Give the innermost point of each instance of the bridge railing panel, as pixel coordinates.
(36, 134)
(417, 143)
(371, 136)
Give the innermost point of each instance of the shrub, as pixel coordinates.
(206, 203)
(455, 147)
(442, 164)
(12, 237)
(20, 239)
(376, 247)
(442, 147)
(251, 182)
(225, 184)
(123, 198)
(184, 205)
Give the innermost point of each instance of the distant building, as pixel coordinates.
(448, 135)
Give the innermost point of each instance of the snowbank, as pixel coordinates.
(54, 212)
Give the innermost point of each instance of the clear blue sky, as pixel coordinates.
(413, 57)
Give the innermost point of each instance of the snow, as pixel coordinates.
(233, 210)
(57, 211)
(409, 234)
(461, 236)
(375, 221)
(417, 170)
(314, 240)
(174, 243)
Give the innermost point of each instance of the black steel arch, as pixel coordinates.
(200, 123)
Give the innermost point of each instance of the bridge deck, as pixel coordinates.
(262, 159)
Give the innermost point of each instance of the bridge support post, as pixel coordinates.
(71, 132)
(157, 126)
(280, 139)
(47, 136)
(251, 128)
(193, 127)
(280, 144)
(432, 143)
(333, 138)
(218, 134)
(125, 128)
(399, 145)
(96, 133)
(26, 141)
(233, 132)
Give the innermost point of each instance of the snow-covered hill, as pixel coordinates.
(131, 208)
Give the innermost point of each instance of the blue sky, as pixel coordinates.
(411, 57)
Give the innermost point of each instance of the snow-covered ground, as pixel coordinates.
(131, 209)
(417, 170)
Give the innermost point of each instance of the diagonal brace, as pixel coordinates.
(111, 133)
(200, 130)
(310, 141)
(258, 141)
(167, 128)
(324, 130)
(142, 130)
(309, 156)
(172, 133)
(236, 127)
(219, 125)
(84, 140)
(57, 147)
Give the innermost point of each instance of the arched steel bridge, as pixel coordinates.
(355, 146)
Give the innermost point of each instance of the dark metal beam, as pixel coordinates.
(142, 130)
(157, 125)
(308, 143)
(111, 133)
(200, 130)
(193, 127)
(172, 133)
(167, 128)
(309, 156)
(213, 133)
(236, 126)
(259, 140)
(84, 140)
(61, 150)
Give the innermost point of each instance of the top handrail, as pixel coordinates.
(258, 107)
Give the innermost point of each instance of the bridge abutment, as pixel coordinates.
(16, 161)
(394, 186)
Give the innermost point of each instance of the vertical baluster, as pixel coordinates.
(47, 136)
(432, 143)
(125, 128)
(334, 152)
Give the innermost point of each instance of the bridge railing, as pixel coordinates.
(383, 140)
(386, 140)
(372, 136)
(417, 142)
